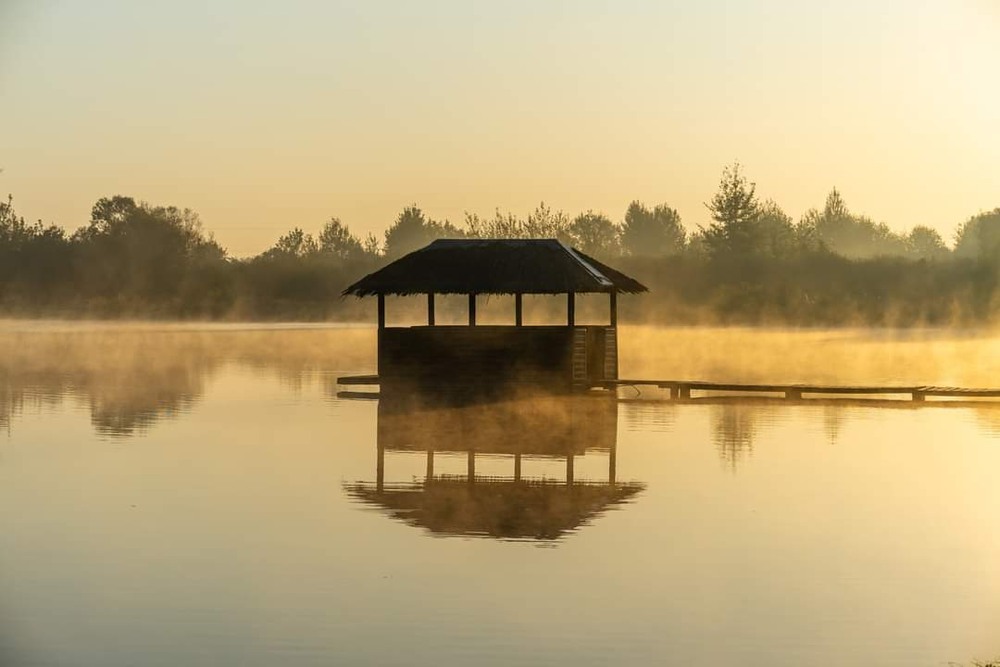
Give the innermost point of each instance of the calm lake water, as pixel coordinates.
(200, 495)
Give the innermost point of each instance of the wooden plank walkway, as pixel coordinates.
(683, 388)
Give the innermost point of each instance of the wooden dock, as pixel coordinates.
(681, 389)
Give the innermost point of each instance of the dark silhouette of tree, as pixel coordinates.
(925, 243)
(656, 232)
(337, 240)
(412, 230)
(838, 230)
(594, 234)
(735, 214)
(294, 244)
(979, 236)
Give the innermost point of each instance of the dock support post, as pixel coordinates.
(430, 309)
(381, 311)
(472, 467)
(518, 310)
(472, 310)
(569, 470)
(919, 396)
(614, 308)
(684, 391)
(793, 394)
(613, 462)
(517, 467)
(380, 469)
(571, 309)
(430, 465)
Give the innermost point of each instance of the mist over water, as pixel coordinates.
(199, 494)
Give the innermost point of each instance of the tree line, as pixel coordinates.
(752, 263)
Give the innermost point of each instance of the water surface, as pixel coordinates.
(191, 495)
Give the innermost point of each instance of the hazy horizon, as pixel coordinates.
(262, 118)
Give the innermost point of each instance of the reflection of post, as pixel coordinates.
(517, 467)
(613, 462)
(569, 470)
(472, 467)
(430, 465)
(380, 469)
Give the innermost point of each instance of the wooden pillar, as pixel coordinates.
(430, 309)
(381, 311)
(472, 467)
(517, 467)
(613, 462)
(571, 309)
(380, 469)
(430, 465)
(472, 310)
(614, 308)
(518, 310)
(569, 470)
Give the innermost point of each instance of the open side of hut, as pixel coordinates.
(552, 358)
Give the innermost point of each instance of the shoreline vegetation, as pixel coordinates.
(752, 265)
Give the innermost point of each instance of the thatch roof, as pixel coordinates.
(495, 266)
(503, 509)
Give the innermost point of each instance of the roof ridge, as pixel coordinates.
(600, 277)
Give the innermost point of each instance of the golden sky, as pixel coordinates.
(265, 116)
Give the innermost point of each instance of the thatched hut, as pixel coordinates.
(516, 506)
(552, 358)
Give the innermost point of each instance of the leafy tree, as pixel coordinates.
(735, 213)
(774, 233)
(594, 234)
(648, 232)
(925, 243)
(412, 230)
(838, 230)
(979, 236)
(337, 240)
(295, 243)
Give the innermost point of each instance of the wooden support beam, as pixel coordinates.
(614, 308)
(381, 311)
(793, 394)
(518, 310)
(380, 469)
(613, 463)
(430, 309)
(472, 467)
(919, 396)
(517, 467)
(571, 309)
(430, 465)
(569, 470)
(472, 310)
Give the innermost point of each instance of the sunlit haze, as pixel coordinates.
(264, 116)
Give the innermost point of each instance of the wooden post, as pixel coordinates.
(381, 311)
(613, 462)
(472, 466)
(518, 310)
(380, 468)
(517, 467)
(472, 310)
(571, 309)
(614, 308)
(430, 309)
(430, 465)
(569, 470)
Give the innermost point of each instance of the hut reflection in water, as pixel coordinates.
(512, 506)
